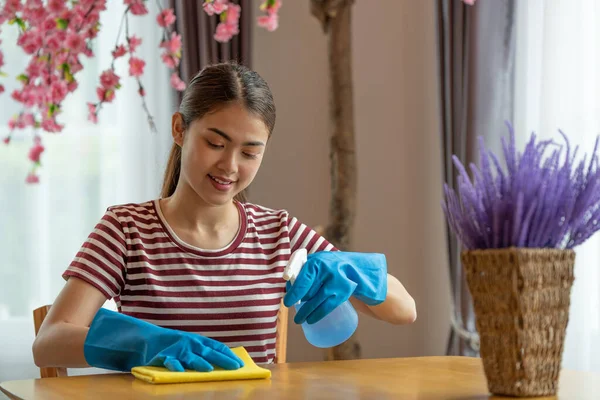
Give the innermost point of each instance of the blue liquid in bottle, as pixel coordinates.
(337, 326)
(334, 329)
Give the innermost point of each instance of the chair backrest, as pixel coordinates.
(38, 317)
(280, 342)
(282, 333)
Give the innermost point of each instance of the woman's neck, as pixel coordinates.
(186, 211)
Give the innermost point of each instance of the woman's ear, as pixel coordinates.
(177, 128)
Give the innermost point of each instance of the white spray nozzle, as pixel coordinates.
(295, 264)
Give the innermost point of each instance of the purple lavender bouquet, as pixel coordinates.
(540, 200)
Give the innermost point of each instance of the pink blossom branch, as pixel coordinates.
(55, 33)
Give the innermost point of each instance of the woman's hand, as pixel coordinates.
(329, 278)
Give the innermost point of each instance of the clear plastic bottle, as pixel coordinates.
(337, 326)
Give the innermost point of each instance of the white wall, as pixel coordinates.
(399, 163)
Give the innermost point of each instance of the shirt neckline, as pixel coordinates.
(233, 245)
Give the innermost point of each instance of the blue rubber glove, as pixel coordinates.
(329, 278)
(120, 342)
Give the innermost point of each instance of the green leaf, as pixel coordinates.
(69, 77)
(52, 109)
(19, 22)
(3, 74)
(62, 23)
(23, 78)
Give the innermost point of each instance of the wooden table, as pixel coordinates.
(394, 378)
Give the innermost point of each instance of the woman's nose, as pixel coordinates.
(228, 163)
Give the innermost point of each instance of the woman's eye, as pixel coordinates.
(250, 155)
(214, 145)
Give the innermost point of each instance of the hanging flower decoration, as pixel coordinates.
(55, 36)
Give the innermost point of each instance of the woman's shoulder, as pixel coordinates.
(143, 210)
(257, 211)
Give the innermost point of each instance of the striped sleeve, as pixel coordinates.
(303, 237)
(101, 259)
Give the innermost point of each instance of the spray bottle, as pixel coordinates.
(337, 326)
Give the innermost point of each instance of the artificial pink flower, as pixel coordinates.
(225, 32)
(36, 150)
(109, 79)
(11, 7)
(136, 66)
(233, 14)
(141, 91)
(74, 64)
(469, 2)
(134, 42)
(274, 8)
(137, 7)
(1, 88)
(173, 45)
(53, 43)
(56, 6)
(49, 24)
(18, 122)
(28, 119)
(6, 140)
(58, 92)
(105, 95)
(75, 42)
(169, 60)
(35, 66)
(50, 125)
(60, 58)
(92, 113)
(119, 51)
(176, 82)
(88, 52)
(78, 18)
(32, 178)
(212, 7)
(33, 96)
(165, 18)
(30, 41)
(16, 95)
(34, 12)
(270, 22)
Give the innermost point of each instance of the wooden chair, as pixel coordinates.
(280, 342)
(38, 317)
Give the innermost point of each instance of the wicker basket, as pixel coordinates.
(521, 299)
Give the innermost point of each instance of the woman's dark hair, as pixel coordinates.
(213, 87)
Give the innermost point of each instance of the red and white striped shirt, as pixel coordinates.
(231, 294)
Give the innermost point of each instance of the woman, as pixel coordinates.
(200, 269)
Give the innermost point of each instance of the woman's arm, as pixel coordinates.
(59, 342)
(398, 307)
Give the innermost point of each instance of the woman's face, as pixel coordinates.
(221, 152)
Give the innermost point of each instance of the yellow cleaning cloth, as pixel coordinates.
(162, 375)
